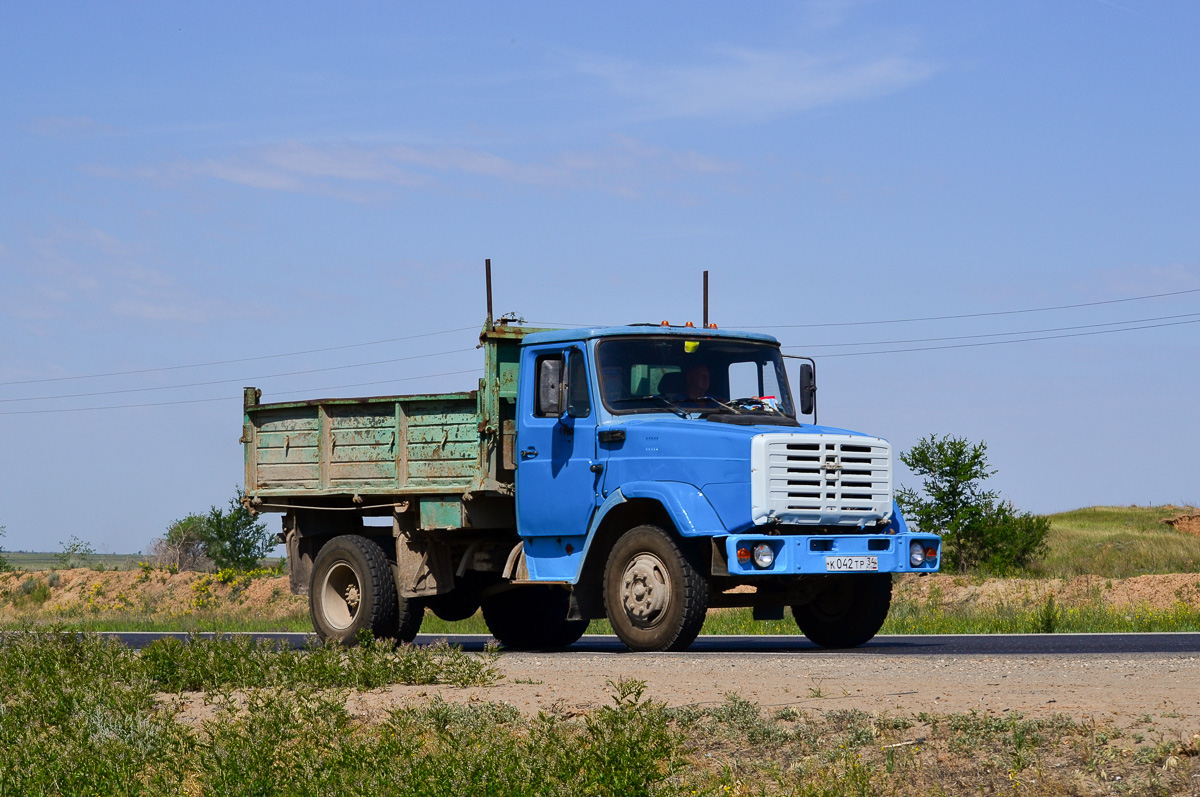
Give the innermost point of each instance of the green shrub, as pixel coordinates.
(232, 539)
(978, 529)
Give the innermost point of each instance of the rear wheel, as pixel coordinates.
(353, 590)
(847, 611)
(532, 618)
(655, 596)
(409, 616)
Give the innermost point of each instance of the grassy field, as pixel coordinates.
(82, 715)
(1118, 542)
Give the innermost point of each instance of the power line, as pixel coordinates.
(232, 381)
(231, 362)
(1001, 342)
(971, 315)
(991, 334)
(232, 398)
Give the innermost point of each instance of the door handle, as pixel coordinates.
(529, 453)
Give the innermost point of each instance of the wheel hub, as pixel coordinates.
(341, 596)
(645, 589)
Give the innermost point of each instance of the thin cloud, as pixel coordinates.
(625, 167)
(157, 311)
(72, 268)
(757, 84)
(67, 126)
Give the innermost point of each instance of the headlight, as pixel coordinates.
(916, 554)
(764, 557)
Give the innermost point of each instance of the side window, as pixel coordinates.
(548, 402)
(579, 403)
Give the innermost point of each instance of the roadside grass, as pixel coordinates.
(187, 623)
(83, 715)
(1118, 542)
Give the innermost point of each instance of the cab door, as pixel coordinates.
(556, 442)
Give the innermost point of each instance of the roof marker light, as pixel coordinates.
(666, 323)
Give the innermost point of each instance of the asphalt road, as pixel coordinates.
(899, 645)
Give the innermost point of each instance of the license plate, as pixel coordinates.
(842, 564)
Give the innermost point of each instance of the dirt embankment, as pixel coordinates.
(157, 594)
(951, 592)
(1188, 524)
(150, 594)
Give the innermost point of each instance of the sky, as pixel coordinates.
(300, 197)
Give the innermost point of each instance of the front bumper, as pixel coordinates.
(826, 553)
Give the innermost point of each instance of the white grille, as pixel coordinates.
(820, 479)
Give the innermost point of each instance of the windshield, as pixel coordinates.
(685, 376)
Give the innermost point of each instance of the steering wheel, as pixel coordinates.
(752, 403)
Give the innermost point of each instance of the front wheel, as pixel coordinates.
(353, 590)
(655, 597)
(847, 611)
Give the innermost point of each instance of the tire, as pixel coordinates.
(532, 618)
(410, 613)
(457, 604)
(847, 612)
(655, 596)
(353, 590)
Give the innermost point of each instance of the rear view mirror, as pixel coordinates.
(808, 389)
(549, 388)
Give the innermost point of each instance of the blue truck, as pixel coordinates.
(643, 474)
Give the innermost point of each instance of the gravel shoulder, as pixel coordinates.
(1121, 690)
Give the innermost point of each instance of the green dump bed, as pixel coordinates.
(399, 446)
(373, 446)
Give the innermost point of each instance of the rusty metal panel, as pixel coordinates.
(285, 449)
(456, 433)
(449, 470)
(508, 442)
(441, 513)
(441, 451)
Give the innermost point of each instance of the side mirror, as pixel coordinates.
(549, 386)
(808, 389)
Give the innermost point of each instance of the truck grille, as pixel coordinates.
(821, 479)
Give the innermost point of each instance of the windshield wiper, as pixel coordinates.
(663, 400)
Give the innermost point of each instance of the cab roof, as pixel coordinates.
(586, 333)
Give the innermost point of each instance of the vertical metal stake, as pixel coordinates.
(706, 300)
(487, 268)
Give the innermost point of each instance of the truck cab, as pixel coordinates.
(690, 438)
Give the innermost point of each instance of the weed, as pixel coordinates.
(788, 714)
(1047, 617)
(31, 592)
(744, 719)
